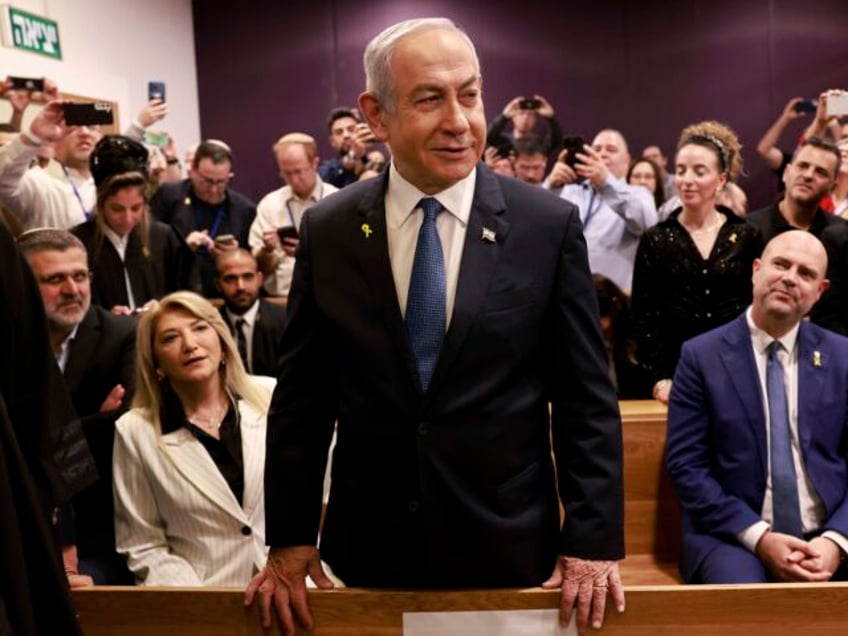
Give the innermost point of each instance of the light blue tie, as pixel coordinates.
(425, 305)
(784, 482)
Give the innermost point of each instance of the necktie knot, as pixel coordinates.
(774, 348)
(431, 208)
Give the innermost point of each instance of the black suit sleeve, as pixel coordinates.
(301, 417)
(586, 426)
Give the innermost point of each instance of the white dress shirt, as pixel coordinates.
(249, 318)
(120, 245)
(283, 208)
(404, 219)
(812, 510)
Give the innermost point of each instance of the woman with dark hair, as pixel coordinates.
(134, 259)
(629, 378)
(693, 270)
(645, 172)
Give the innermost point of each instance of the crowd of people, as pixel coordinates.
(564, 271)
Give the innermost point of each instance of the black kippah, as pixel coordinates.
(116, 154)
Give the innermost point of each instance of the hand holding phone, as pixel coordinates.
(573, 145)
(88, 114)
(155, 90)
(806, 106)
(529, 103)
(837, 103)
(29, 84)
(287, 232)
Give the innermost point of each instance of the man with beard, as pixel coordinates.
(256, 323)
(350, 137)
(810, 177)
(43, 460)
(95, 351)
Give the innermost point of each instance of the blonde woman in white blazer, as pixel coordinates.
(178, 519)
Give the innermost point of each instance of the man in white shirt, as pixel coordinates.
(36, 196)
(297, 157)
(757, 427)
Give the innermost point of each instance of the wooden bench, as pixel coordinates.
(677, 610)
(651, 511)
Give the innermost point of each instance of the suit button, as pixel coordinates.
(246, 531)
(424, 429)
(413, 505)
(54, 518)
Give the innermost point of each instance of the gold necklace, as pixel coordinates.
(712, 228)
(209, 423)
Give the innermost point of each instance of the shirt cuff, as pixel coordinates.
(751, 536)
(839, 539)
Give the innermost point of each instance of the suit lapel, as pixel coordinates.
(373, 251)
(740, 366)
(479, 258)
(253, 457)
(812, 367)
(191, 459)
(82, 347)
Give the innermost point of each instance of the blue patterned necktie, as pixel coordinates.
(425, 305)
(784, 482)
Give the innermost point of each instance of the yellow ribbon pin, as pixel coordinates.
(816, 358)
(366, 230)
(732, 237)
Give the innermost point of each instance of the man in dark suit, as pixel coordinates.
(810, 176)
(43, 460)
(211, 216)
(757, 432)
(256, 324)
(96, 352)
(436, 312)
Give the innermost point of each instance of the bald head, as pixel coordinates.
(239, 280)
(788, 279)
(612, 147)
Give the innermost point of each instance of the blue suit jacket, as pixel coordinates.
(717, 454)
(453, 487)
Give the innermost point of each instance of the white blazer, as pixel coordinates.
(176, 519)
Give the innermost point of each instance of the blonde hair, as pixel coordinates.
(149, 393)
(721, 139)
(300, 139)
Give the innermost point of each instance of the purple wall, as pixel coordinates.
(649, 68)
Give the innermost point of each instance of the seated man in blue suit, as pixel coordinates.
(757, 432)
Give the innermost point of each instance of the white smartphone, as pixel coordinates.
(837, 104)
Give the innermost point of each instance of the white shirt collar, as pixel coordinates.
(762, 340)
(120, 242)
(315, 195)
(249, 316)
(456, 199)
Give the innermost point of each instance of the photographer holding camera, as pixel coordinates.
(614, 213)
(524, 113)
(350, 136)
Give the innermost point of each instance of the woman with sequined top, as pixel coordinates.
(693, 270)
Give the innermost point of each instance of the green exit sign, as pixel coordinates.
(32, 33)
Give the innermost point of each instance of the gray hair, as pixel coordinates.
(47, 239)
(378, 55)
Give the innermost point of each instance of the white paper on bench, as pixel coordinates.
(544, 622)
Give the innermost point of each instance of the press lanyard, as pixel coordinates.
(87, 213)
(219, 216)
(590, 213)
(289, 201)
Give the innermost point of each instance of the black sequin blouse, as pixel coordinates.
(677, 294)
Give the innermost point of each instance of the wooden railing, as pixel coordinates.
(676, 610)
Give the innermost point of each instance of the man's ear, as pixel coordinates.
(374, 115)
(260, 277)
